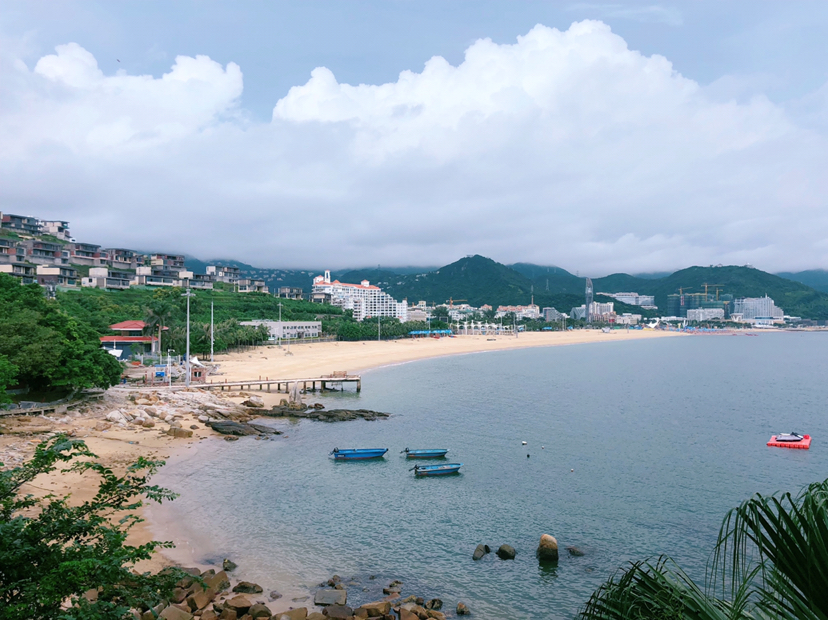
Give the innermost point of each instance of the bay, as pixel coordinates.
(634, 449)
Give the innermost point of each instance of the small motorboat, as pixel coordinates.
(790, 440)
(358, 454)
(436, 453)
(436, 470)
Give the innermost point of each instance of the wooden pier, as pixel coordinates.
(283, 385)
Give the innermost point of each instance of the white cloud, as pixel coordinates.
(565, 147)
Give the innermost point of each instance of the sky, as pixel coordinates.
(598, 137)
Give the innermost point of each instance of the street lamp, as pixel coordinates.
(169, 368)
(188, 294)
(280, 325)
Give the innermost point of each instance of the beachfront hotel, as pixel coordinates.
(364, 299)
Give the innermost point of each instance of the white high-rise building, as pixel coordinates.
(634, 299)
(757, 308)
(364, 299)
(705, 314)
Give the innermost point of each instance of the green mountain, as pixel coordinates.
(551, 279)
(478, 280)
(794, 298)
(475, 279)
(815, 278)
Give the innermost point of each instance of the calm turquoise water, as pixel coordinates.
(664, 436)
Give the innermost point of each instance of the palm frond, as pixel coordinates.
(658, 591)
(781, 542)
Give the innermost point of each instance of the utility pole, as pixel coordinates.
(379, 323)
(212, 333)
(280, 325)
(169, 368)
(188, 294)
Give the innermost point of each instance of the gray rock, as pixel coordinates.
(506, 552)
(245, 587)
(264, 430)
(480, 551)
(226, 427)
(229, 566)
(574, 551)
(330, 597)
(274, 595)
(341, 612)
(259, 611)
(436, 604)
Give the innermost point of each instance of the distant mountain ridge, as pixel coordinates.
(478, 280)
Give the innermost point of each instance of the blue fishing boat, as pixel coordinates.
(358, 454)
(424, 454)
(436, 470)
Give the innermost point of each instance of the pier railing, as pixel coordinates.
(283, 385)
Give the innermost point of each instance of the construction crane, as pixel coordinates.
(718, 287)
(451, 301)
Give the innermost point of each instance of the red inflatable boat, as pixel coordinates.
(792, 440)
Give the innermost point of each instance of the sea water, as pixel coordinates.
(634, 449)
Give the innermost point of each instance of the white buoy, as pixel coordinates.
(523, 443)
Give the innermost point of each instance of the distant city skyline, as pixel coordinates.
(599, 137)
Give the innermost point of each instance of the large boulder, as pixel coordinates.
(264, 430)
(228, 565)
(434, 604)
(330, 597)
(218, 581)
(246, 587)
(548, 548)
(254, 401)
(462, 610)
(175, 431)
(377, 609)
(506, 552)
(240, 604)
(258, 611)
(480, 551)
(292, 614)
(115, 416)
(227, 427)
(175, 613)
(338, 612)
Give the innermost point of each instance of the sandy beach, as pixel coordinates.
(315, 360)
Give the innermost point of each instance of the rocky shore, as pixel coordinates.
(211, 595)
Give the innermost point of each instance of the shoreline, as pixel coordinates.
(317, 359)
(117, 445)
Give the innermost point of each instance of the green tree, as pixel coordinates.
(771, 561)
(52, 552)
(8, 372)
(48, 347)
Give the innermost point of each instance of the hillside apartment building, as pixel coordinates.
(365, 299)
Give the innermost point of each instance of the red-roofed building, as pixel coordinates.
(130, 340)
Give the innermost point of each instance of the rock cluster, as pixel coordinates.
(330, 415)
(332, 596)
